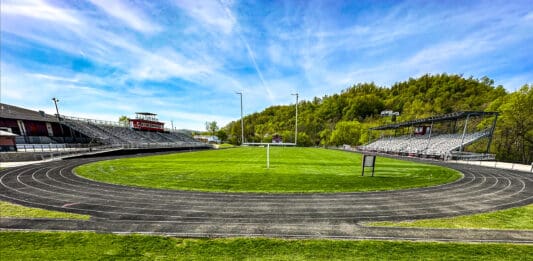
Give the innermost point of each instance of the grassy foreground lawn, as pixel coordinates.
(513, 218)
(244, 170)
(90, 246)
(17, 211)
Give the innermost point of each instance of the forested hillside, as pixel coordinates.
(344, 118)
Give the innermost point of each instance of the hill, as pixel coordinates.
(344, 118)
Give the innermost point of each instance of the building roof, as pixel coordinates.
(439, 118)
(13, 112)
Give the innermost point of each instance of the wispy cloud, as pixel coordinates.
(209, 13)
(51, 77)
(38, 9)
(128, 15)
(184, 59)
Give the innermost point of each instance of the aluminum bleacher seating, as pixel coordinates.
(113, 134)
(436, 145)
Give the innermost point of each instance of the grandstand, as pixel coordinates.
(36, 129)
(444, 137)
(115, 133)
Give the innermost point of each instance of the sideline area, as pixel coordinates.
(24, 163)
(120, 209)
(498, 165)
(490, 164)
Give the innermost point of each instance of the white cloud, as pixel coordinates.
(166, 64)
(195, 121)
(514, 83)
(52, 77)
(127, 14)
(210, 13)
(39, 10)
(205, 58)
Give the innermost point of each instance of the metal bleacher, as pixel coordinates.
(93, 131)
(115, 134)
(442, 136)
(437, 145)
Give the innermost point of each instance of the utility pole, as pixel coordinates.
(242, 121)
(296, 127)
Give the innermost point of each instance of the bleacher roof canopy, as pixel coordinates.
(146, 113)
(13, 112)
(432, 119)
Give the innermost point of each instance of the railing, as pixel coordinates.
(53, 151)
(467, 156)
(86, 147)
(162, 145)
(97, 122)
(57, 147)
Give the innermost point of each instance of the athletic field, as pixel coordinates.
(291, 170)
(205, 197)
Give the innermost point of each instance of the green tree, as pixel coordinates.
(514, 134)
(211, 127)
(123, 120)
(222, 135)
(414, 98)
(346, 132)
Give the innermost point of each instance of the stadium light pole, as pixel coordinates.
(296, 127)
(58, 118)
(57, 110)
(242, 121)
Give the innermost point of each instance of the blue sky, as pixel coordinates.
(184, 60)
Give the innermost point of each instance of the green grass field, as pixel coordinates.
(513, 218)
(225, 146)
(91, 246)
(17, 211)
(244, 170)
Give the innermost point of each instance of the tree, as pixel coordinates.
(123, 120)
(222, 135)
(514, 132)
(414, 98)
(211, 127)
(346, 132)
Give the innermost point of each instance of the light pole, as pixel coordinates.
(242, 121)
(59, 119)
(57, 110)
(296, 128)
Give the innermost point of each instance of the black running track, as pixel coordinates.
(122, 209)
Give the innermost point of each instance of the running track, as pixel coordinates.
(122, 209)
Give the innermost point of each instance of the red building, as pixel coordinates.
(146, 121)
(33, 127)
